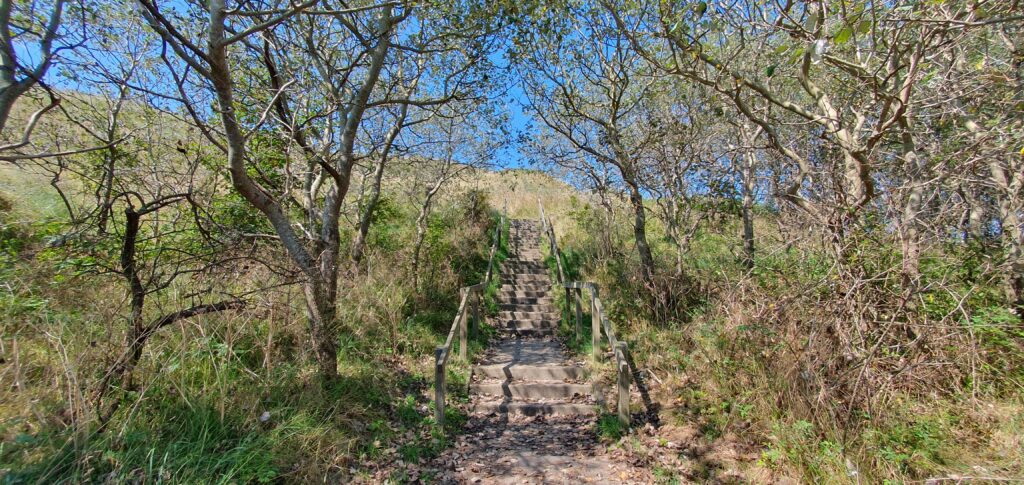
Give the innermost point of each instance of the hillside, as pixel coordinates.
(298, 242)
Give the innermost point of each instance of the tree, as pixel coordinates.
(317, 97)
(587, 85)
(858, 73)
(458, 140)
(34, 35)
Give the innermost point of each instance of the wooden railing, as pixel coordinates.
(598, 320)
(470, 303)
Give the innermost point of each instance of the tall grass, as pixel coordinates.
(231, 398)
(749, 362)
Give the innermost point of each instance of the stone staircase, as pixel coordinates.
(527, 370)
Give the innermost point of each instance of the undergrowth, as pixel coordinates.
(234, 397)
(750, 356)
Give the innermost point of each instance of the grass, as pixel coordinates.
(732, 368)
(610, 429)
(231, 398)
(739, 367)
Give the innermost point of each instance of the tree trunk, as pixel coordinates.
(359, 245)
(121, 371)
(748, 211)
(1012, 233)
(322, 313)
(972, 224)
(9, 93)
(911, 226)
(606, 231)
(320, 268)
(417, 249)
(421, 227)
(640, 233)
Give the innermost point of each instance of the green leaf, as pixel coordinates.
(843, 36)
(700, 8)
(864, 26)
(771, 70)
(795, 56)
(781, 49)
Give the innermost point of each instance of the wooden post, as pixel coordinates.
(439, 386)
(568, 305)
(623, 366)
(475, 330)
(579, 313)
(595, 322)
(463, 324)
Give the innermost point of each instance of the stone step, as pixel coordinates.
(527, 286)
(523, 263)
(527, 308)
(525, 266)
(535, 409)
(504, 294)
(524, 269)
(528, 315)
(514, 272)
(534, 324)
(526, 258)
(525, 352)
(514, 278)
(526, 300)
(529, 332)
(531, 372)
(531, 390)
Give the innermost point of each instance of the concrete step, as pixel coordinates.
(525, 352)
(531, 324)
(528, 315)
(524, 268)
(529, 332)
(531, 390)
(526, 259)
(524, 294)
(524, 263)
(525, 277)
(525, 274)
(525, 300)
(531, 372)
(527, 286)
(535, 409)
(527, 308)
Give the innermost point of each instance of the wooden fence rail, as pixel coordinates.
(598, 319)
(467, 322)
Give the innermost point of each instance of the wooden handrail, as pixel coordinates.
(547, 227)
(461, 324)
(598, 320)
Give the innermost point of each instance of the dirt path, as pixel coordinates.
(511, 449)
(534, 414)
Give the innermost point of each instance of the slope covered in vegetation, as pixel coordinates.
(232, 233)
